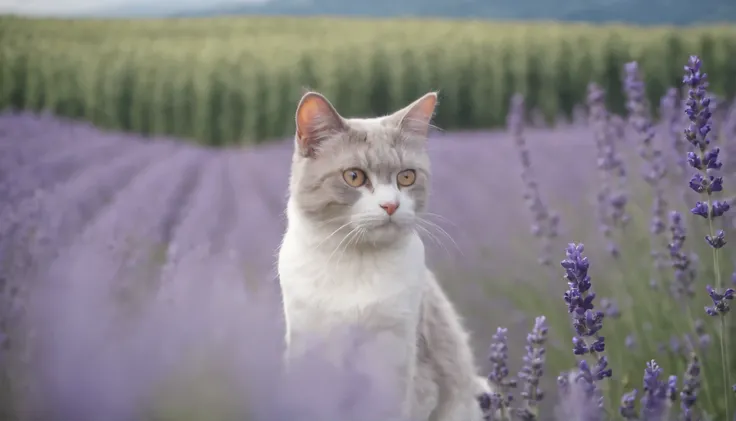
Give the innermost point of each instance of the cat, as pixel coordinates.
(351, 256)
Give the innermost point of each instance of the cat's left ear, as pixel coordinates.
(316, 119)
(416, 118)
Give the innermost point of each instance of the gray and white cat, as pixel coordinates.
(351, 256)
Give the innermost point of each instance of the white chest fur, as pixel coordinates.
(325, 290)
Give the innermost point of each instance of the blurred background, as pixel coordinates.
(144, 157)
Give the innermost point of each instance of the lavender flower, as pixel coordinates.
(489, 404)
(690, 388)
(586, 322)
(670, 111)
(703, 158)
(720, 301)
(586, 379)
(580, 398)
(499, 375)
(533, 369)
(627, 409)
(655, 168)
(679, 260)
(545, 222)
(697, 110)
(672, 388)
(717, 209)
(653, 403)
(611, 197)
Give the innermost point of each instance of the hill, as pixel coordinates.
(677, 12)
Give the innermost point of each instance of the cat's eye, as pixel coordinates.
(406, 178)
(354, 177)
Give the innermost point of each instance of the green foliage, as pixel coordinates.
(224, 81)
(566, 95)
(379, 85)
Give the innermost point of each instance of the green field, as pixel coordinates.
(237, 80)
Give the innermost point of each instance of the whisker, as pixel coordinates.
(333, 233)
(364, 217)
(433, 238)
(441, 231)
(355, 238)
(438, 216)
(337, 218)
(329, 259)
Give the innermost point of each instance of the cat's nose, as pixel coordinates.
(389, 207)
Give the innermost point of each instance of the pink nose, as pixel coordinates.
(389, 207)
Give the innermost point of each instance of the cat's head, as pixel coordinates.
(369, 176)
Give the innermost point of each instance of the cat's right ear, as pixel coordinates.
(316, 120)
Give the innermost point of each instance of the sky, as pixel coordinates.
(71, 7)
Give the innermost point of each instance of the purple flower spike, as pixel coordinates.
(498, 357)
(680, 261)
(698, 106)
(690, 389)
(499, 376)
(655, 168)
(545, 223)
(489, 404)
(703, 158)
(655, 393)
(628, 406)
(670, 108)
(720, 301)
(587, 324)
(533, 369)
(672, 388)
(612, 198)
(580, 398)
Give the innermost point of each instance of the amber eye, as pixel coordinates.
(406, 178)
(354, 177)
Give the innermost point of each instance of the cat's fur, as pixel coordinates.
(345, 262)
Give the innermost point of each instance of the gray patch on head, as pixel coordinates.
(373, 145)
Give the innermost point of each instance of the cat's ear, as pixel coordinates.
(416, 118)
(316, 119)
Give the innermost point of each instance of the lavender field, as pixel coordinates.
(137, 274)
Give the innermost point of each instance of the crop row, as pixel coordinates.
(238, 80)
